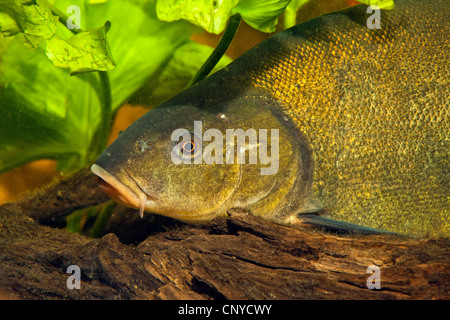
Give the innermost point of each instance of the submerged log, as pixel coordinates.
(237, 257)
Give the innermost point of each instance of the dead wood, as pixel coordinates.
(238, 257)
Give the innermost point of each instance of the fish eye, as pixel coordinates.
(191, 147)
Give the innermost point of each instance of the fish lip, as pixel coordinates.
(132, 197)
(136, 183)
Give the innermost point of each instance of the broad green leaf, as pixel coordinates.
(290, 16)
(183, 65)
(212, 15)
(261, 14)
(382, 4)
(140, 43)
(32, 18)
(8, 26)
(46, 113)
(84, 52)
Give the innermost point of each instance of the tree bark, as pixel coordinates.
(237, 257)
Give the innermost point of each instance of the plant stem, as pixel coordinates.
(219, 51)
(105, 84)
(106, 110)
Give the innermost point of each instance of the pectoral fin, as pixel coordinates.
(315, 220)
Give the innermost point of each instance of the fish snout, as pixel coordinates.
(118, 191)
(113, 193)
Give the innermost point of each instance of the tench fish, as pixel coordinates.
(335, 118)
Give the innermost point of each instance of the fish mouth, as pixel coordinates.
(133, 197)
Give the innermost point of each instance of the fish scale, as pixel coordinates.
(364, 129)
(376, 113)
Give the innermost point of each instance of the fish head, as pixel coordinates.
(180, 160)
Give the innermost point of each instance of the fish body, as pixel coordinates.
(362, 120)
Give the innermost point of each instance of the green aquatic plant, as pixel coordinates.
(59, 90)
(60, 87)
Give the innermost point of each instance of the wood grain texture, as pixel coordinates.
(238, 257)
